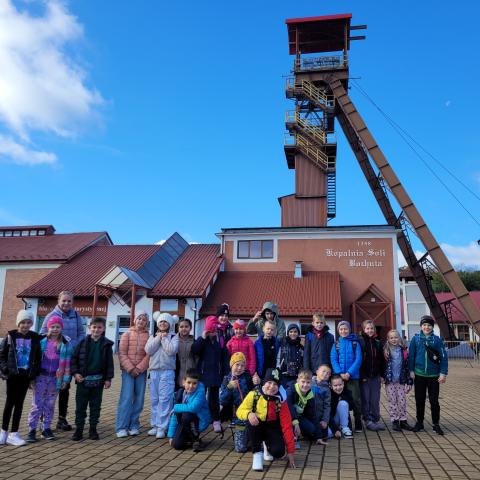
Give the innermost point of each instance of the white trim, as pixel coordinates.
(396, 286)
(274, 259)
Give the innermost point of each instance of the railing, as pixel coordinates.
(315, 131)
(313, 153)
(320, 63)
(310, 91)
(464, 351)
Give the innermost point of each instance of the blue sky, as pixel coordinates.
(144, 118)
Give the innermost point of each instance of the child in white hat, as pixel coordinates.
(162, 349)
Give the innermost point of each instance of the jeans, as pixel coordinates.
(162, 386)
(91, 398)
(311, 430)
(130, 402)
(271, 434)
(187, 430)
(341, 417)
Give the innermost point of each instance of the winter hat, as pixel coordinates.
(293, 326)
(223, 309)
(237, 357)
(272, 375)
(211, 324)
(165, 317)
(53, 320)
(343, 323)
(23, 315)
(139, 313)
(239, 324)
(427, 319)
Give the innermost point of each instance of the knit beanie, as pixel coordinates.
(139, 313)
(223, 309)
(293, 326)
(23, 315)
(165, 317)
(239, 324)
(211, 324)
(343, 323)
(272, 375)
(237, 357)
(427, 319)
(54, 320)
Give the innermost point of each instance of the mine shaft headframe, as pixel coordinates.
(328, 33)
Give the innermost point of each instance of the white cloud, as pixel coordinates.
(459, 255)
(42, 89)
(21, 155)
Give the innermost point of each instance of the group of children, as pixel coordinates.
(274, 391)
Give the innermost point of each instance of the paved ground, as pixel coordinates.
(383, 455)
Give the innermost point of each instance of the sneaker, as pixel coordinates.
(371, 426)
(266, 454)
(3, 437)
(47, 434)
(122, 433)
(32, 436)
(418, 427)
(160, 433)
(217, 426)
(379, 426)
(77, 435)
(15, 439)
(297, 445)
(437, 428)
(347, 433)
(63, 425)
(257, 464)
(133, 432)
(152, 432)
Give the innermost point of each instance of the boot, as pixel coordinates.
(77, 434)
(63, 425)
(257, 464)
(437, 428)
(93, 434)
(405, 426)
(418, 427)
(198, 445)
(396, 426)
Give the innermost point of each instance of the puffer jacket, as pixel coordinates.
(290, 357)
(418, 360)
(297, 409)
(346, 356)
(260, 354)
(317, 350)
(80, 357)
(162, 351)
(257, 327)
(196, 403)
(8, 354)
(245, 346)
(131, 351)
(212, 361)
(73, 326)
(269, 410)
(233, 397)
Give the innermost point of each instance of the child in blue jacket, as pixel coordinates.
(191, 414)
(428, 364)
(266, 349)
(346, 359)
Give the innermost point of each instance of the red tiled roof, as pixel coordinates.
(58, 247)
(246, 292)
(191, 274)
(80, 275)
(458, 316)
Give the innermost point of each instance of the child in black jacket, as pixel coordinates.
(341, 405)
(290, 356)
(92, 367)
(20, 359)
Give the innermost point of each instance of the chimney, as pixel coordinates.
(298, 269)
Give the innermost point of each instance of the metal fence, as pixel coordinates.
(464, 351)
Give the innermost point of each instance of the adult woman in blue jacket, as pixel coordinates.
(428, 365)
(346, 359)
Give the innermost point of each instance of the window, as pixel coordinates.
(255, 249)
(463, 332)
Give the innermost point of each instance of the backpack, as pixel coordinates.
(257, 394)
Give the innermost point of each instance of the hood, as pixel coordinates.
(352, 337)
(270, 306)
